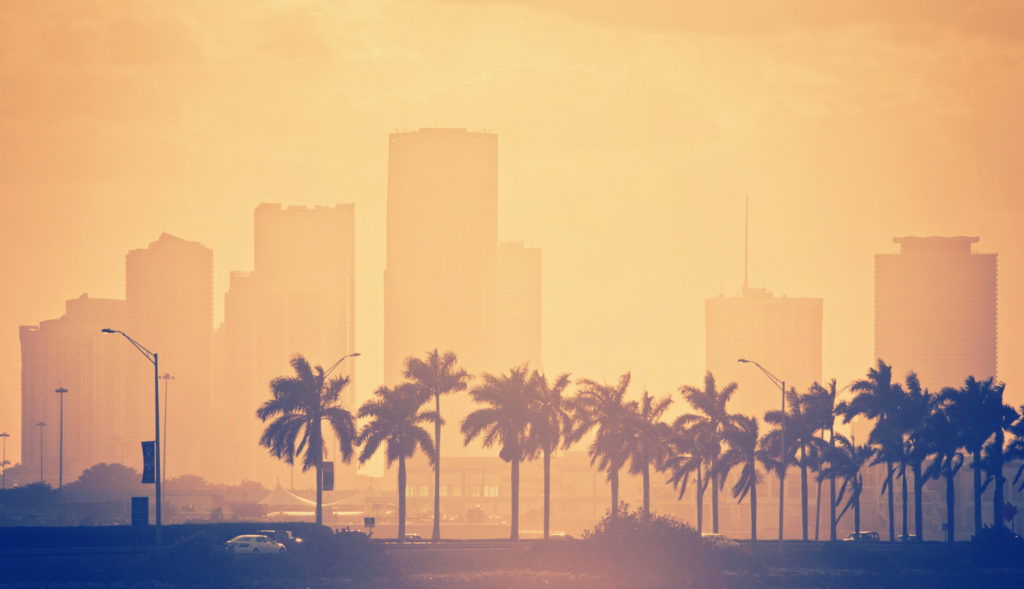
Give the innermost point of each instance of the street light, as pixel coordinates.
(166, 378)
(335, 365)
(3, 461)
(41, 425)
(320, 458)
(60, 468)
(154, 359)
(782, 440)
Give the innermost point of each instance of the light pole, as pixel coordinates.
(60, 461)
(320, 458)
(154, 359)
(41, 425)
(782, 441)
(3, 460)
(167, 377)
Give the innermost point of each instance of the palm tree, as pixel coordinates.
(917, 405)
(395, 418)
(940, 437)
(995, 454)
(1015, 451)
(821, 402)
(436, 375)
(300, 403)
(742, 437)
(710, 403)
(603, 407)
(877, 397)
(846, 460)
(977, 408)
(646, 443)
(550, 429)
(689, 454)
(506, 420)
(803, 445)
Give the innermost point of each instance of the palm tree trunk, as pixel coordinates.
(700, 502)
(319, 492)
(903, 475)
(892, 503)
(977, 489)
(714, 497)
(515, 501)
(803, 492)
(401, 498)
(547, 493)
(817, 510)
(615, 491)
(647, 490)
(950, 508)
(997, 491)
(831, 492)
(436, 533)
(753, 512)
(856, 515)
(918, 508)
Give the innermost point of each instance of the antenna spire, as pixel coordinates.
(746, 241)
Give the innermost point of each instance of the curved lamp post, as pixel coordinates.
(153, 358)
(60, 461)
(782, 440)
(41, 425)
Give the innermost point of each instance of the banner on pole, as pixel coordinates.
(148, 469)
(328, 471)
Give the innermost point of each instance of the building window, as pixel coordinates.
(490, 490)
(474, 491)
(456, 491)
(444, 490)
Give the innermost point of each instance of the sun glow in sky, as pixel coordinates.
(629, 135)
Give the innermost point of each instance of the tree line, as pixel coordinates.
(914, 433)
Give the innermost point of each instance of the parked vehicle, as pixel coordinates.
(862, 537)
(285, 537)
(718, 540)
(253, 544)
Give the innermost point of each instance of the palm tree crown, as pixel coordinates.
(603, 407)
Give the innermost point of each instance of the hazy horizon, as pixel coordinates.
(628, 140)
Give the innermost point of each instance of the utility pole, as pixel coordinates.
(60, 468)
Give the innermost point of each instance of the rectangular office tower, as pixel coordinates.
(935, 310)
(102, 423)
(169, 295)
(448, 283)
(299, 299)
(783, 334)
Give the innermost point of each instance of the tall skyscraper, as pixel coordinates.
(169, 292)
(783, 334)
(935, 310)
(102, 423)
(448, 285)
(299, 299)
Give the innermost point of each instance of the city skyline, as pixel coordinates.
(627, 147)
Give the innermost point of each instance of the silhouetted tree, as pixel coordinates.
(742, 439)
(552, 424)
(689, 454)
(845, 461)
(712, 416)
(645, 444)
(299, 405)
(1015, 451)
(940, 438)
(915, 408)
(395, 417)
(603, 407)
(506, 421)
(977, 409)
(437, 374)
(803, 446)
(821, 403)
(877, 397)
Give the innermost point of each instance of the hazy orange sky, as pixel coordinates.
(629, 134)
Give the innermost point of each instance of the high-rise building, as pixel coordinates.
(448, 285)
(169, 292)
(935, 310)
(101, 422)
(299, 299)
(783, 334)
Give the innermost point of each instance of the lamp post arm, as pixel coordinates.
(336, 364)
(778, 381)
(145, 352)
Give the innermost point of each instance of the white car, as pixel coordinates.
(253, 544)
(718, 540)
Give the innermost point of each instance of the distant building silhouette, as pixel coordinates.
(935, 310)
(169, 295)
(448, 284)
(101, 423)
(300, 298)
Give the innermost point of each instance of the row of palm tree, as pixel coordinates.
(526, 416)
